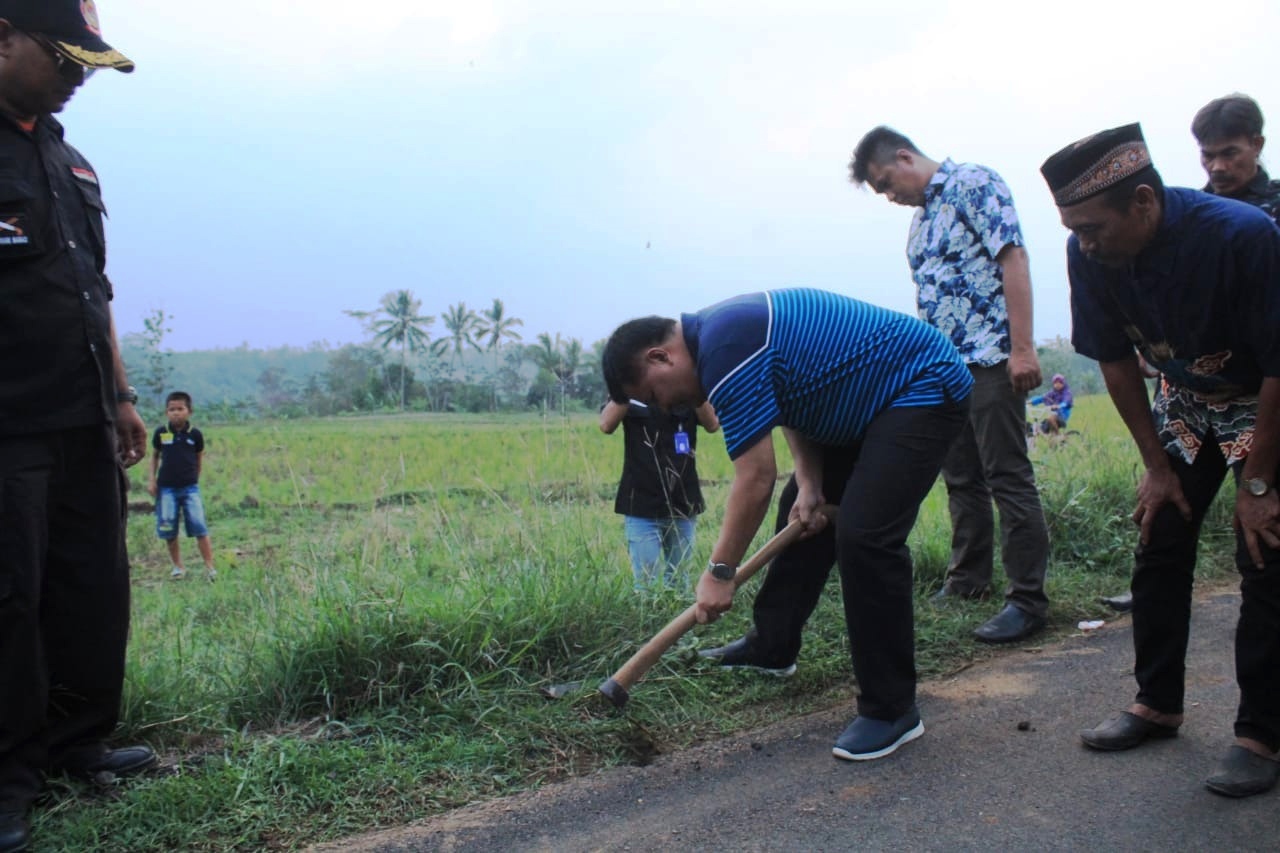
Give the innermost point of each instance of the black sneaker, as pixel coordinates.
(1122, 603)
(15, 833)
(740, 654)
(866, 739)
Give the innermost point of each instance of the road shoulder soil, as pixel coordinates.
(1000, 767)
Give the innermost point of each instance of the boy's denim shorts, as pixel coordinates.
(168, 503)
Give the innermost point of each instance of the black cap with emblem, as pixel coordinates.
(70, 26)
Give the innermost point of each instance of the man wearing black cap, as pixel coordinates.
(1189, 281)
(67, 424)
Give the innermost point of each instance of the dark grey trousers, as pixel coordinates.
(987, 463)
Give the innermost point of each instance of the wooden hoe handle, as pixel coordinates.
(616, 689)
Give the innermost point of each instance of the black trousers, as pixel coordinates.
(1163, 576)
(879, 485)
(64, 601)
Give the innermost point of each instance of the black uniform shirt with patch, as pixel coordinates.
(56, 367)
(657, 481)
(1261, 192)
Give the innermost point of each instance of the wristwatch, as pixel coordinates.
(128, 395)
(721, 571)
(1255, 486)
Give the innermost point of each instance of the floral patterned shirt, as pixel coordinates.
(967, 219)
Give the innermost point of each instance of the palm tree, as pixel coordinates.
(559, 357)
(590, 380)
(398, 322)
(463, 326)
(494, 327)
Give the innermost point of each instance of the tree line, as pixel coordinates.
(479, 363)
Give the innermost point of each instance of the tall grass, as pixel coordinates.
(394, 591)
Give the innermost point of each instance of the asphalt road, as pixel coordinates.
(1000, 768)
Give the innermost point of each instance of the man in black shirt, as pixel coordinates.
(1229, 133)
(67, 425)
(658, 495)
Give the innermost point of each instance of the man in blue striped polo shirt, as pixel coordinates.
(869, 401)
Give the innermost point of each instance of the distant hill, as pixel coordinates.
(232, 375)
(228, 375)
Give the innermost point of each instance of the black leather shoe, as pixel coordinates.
(118, 762)
(1125, 731)
(1122, 603)
(15, 835)
(1243, 773)
(1009, 625)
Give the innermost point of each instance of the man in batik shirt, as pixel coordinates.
(1229, 133)
(973, 282)
(1188, 280)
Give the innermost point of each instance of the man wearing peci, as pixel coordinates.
(1228, 131)
(1187, 280)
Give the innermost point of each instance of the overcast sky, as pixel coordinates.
(272, 163)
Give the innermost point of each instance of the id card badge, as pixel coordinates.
(682, 443)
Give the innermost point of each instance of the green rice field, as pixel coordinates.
(393, 591)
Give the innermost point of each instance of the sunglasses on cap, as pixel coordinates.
(65, 65)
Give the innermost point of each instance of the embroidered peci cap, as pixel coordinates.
(71, 27)
(1095, 163)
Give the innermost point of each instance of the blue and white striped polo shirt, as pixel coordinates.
(819, 363)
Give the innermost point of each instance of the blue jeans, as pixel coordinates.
(172, 500)
(658, 547)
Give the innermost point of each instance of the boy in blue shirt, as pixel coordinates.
(869, 401)
(175, 477)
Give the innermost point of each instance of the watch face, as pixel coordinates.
(1256, 487)
(721, 571)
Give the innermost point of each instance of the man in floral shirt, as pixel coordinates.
(973, 283)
